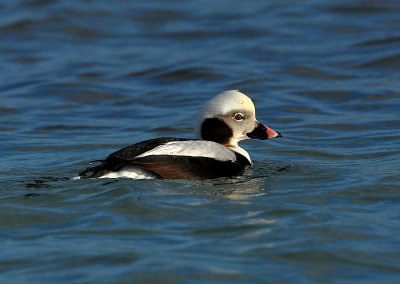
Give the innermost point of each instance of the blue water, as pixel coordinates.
(81, 79)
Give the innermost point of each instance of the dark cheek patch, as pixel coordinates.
(214, 129)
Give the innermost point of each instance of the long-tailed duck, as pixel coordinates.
(221, 124)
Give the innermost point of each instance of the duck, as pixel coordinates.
(221, 124)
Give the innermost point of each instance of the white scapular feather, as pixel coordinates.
(194, 148)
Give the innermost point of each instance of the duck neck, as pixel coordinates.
(241, 151)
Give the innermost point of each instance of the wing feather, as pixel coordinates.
(187, 167)
(192, 148)
(174, 158)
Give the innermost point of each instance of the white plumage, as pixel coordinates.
(131, 171)
(222, 104)
(194, 148)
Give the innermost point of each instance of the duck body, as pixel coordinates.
(221, 124)
(171, 158)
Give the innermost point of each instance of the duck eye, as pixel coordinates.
(238, 116)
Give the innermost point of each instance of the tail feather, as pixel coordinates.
(102, 169)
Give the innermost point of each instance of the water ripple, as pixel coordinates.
(80, 81)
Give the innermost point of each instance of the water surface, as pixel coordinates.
(81, 79)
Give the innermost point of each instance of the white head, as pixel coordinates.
(229, 118)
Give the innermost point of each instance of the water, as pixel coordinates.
(81, 79)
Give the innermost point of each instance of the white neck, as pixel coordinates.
(241, 151)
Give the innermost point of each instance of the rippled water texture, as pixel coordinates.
(80, 79)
